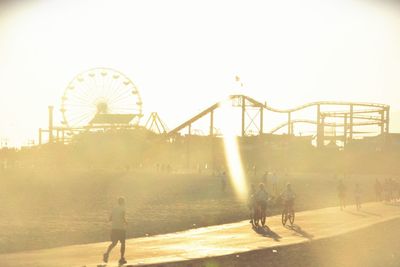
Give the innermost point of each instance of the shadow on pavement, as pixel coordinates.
(300, 231)
(267, 232)
(355, 213)
(371, 213)
(391, 203)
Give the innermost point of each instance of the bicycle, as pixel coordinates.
(260, 214)
(288, 215)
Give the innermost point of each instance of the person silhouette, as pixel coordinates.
(118, 230)
(341, 189)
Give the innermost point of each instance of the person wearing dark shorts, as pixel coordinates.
(118, 230)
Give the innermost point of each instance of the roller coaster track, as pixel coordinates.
(245, 101)
(277, 128)
(320, 103)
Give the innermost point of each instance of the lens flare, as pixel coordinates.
(232, 151)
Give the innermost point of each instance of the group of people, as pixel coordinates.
(258, 200)
(389, 190)
(342, 194)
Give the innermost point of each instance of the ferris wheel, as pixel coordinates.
(99, 91)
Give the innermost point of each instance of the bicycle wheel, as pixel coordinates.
(284, 217)
(291, 217)
(256, 217)
(263, 217)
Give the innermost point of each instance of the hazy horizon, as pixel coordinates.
(184, 56)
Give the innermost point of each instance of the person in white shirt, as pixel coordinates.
(118, 230)
(288, 197)
(261, 197)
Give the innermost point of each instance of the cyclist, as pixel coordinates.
(288, 197)
(261, 197)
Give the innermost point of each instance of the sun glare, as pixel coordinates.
(232, 151)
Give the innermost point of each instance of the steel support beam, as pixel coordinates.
(387, 120)
(319, 127)
(351, 122)
(212, 123)
(40, 136)
(261, 120)
(243, 115)
(51, 108)
(345, 130)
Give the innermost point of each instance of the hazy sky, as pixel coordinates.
(184, 55)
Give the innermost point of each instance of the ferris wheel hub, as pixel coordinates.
(102, 107)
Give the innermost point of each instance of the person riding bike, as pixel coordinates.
(261, 198)
(288, 197)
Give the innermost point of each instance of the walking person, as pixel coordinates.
(223, 182)
(378, 190)
(118, 230)
(274, 181)
(357, 194)
(251, 202)
(342, 195)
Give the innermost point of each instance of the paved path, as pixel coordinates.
(212, 241)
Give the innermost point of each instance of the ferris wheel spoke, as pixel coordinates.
(73, 104)
(81, 89)
(120, 97)
(120, 87)
(92, 86)
(101, 84)
(81, 118)
(116, 90)
(75, 110)
(81, 94)
(89, 92)
(123, 101)
(110, 84)
(78, 114)
(96, 85)
(125, 104)
(113, 87)
(80, 99)
(77, 101)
